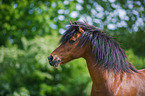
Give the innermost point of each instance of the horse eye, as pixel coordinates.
(71, 41)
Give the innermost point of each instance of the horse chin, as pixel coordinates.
(55, 63)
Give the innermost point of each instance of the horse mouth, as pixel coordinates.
(55, 63)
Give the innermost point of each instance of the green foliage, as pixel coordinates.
(27, 72)
(138, 62)
(21, 92)
(135, 41)
(28, 18)
(24, 67)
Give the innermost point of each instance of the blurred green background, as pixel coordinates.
(30, 30)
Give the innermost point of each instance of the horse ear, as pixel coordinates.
(80, 29)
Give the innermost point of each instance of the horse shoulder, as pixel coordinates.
(131, 84)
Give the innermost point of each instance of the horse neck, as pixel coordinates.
(100, 77)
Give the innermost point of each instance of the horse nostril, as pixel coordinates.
(50, 58)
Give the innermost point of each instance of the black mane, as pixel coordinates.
(107, 52)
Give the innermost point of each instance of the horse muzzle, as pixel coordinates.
(54, 61)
